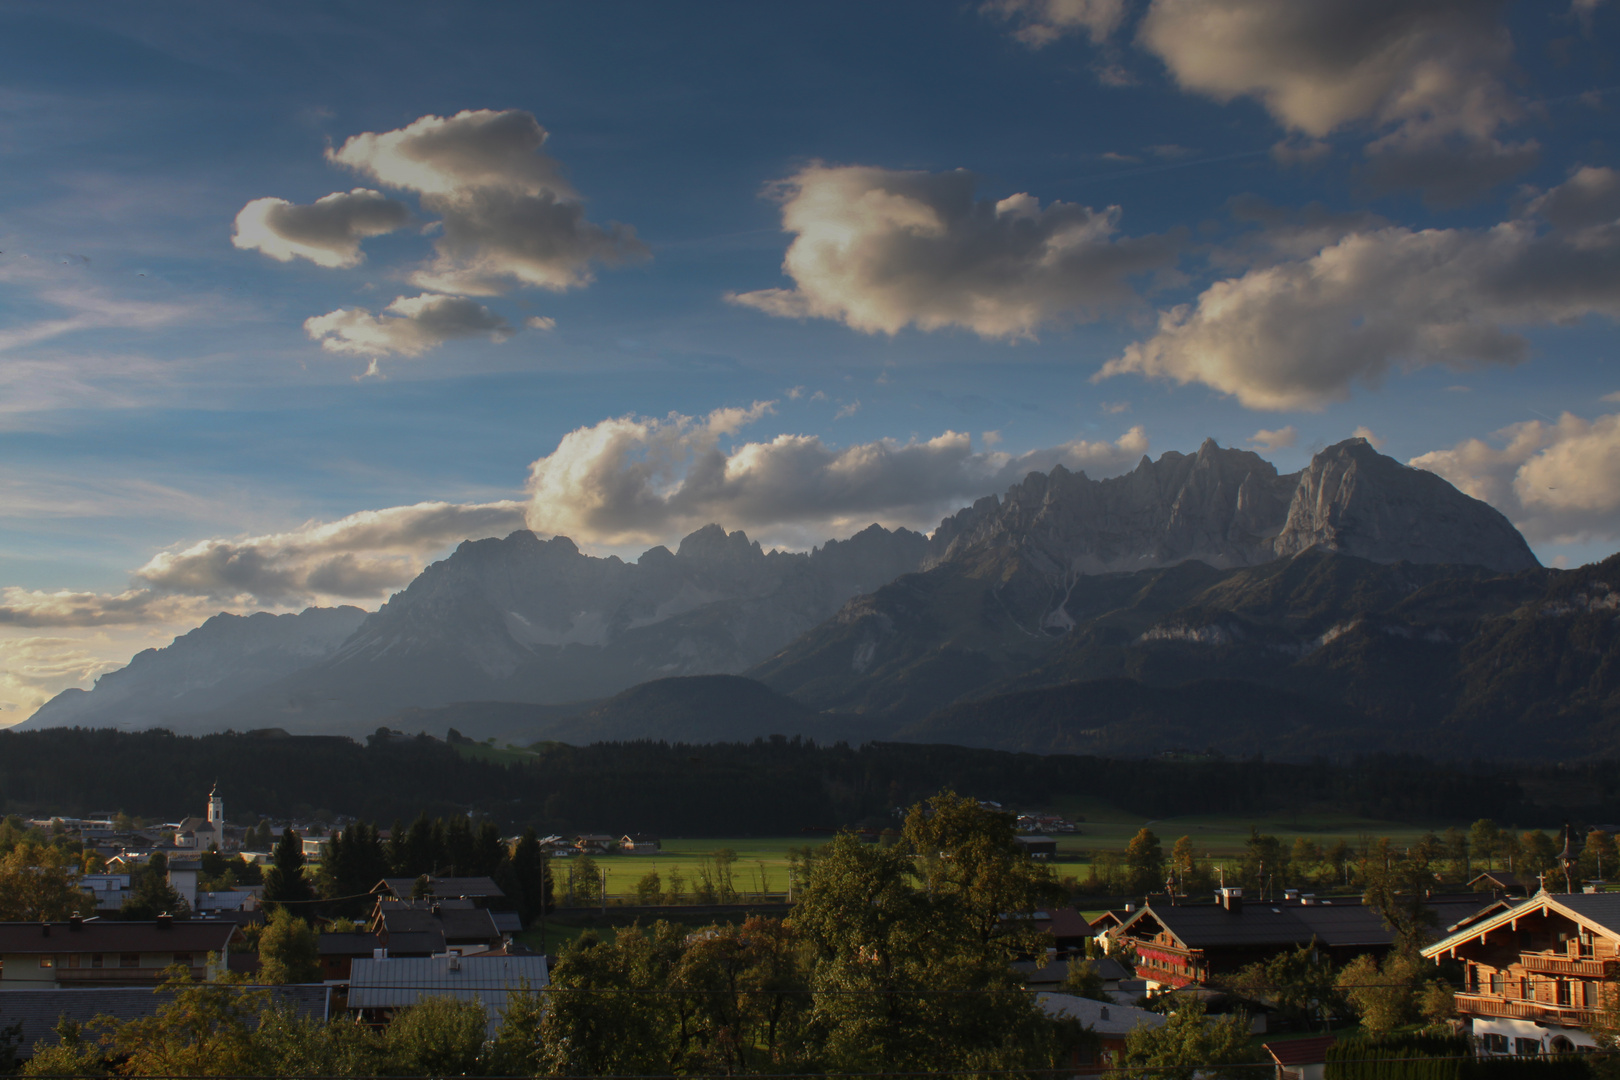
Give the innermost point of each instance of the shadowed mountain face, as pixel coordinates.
(1012, 593)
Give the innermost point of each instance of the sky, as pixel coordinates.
(295, 297)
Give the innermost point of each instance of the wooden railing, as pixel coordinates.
(1519, 1009)
(1547, 964)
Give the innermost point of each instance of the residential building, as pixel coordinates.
(1038, 847)
(1110, 1022)
(1535, 970)
(110, 890)
(456, 922)
(639, 844)
(91, 952)
(379, 987)
(480, 890)
(594, 843)
(1300, 1059)
(1179, 945)
(37, 1012)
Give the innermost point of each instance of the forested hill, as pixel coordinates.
(768, 787)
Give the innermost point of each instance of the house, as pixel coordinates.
(1110, 1022)
(1069, 929)
(1117, 981)
(594, 843)
(339, 951)
(1182, 944)
(480, 890)
(1037, 847)
(456, 922)
(1534, 970)
(380, 987)
(1500, 882)
(110, 890)
(90, 952)
(639, 844)
(37, 1012)
(1300, 1059)
(183, 875)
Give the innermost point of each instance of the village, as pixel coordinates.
(1507, 966)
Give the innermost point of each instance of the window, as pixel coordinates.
(1527, 1047)
(47, 961)
(1471, 980)
(129, 959)
(1562, 988)
(1586, 943)
(1524, 988)
(75, 960)
(95, 960)
(183, 959)
(1495, 1044)
(1496, 983)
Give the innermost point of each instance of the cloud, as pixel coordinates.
(881, 249)
(327, 232)
(85, 305)
(1040, 22)
(409, 326)
(540, 322)
(634, 479)
(1558, 482)
(849, 410)
(1114, 408)
(1365, 432)
(35, 669)
(1589, 198)
(1280, 439)
(508, 213)
(1300, 333)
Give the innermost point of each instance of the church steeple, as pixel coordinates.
(216, 808)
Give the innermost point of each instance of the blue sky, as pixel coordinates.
(1398, 218)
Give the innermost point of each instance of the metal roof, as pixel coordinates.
(445, 886)
(1103, 1017)
(96, 935)
(396, 982)
(39, 1010)
(1256, 922)
(456, 924)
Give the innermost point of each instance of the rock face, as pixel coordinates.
(202, 670)
(1354, 500)
(1231, 508)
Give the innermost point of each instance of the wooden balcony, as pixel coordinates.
(1519, 1009)
(1549, 964)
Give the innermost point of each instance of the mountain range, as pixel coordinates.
(1200, 601)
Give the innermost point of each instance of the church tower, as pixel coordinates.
(216, 811)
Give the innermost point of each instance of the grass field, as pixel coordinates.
(1213, 837)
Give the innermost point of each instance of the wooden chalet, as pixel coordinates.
(1534, 971)
(1181, 945)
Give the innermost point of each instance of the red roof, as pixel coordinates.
(1311, 1051)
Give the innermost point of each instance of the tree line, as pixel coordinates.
(788, 785)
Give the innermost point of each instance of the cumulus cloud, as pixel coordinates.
(1038, 23)
(508, 213)
(881, 249)
(409, 326)
(327, 232)
(1365, 432)
(1300, 333)
(1558, 482)
(637, 479)
(1279, 439)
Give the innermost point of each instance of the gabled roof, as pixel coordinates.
(1312, 1051)
(347, 944)
(1595, 911)
(443, 886)
(95, 935)
(1105, 1018)
(456, 924)
(403, 981)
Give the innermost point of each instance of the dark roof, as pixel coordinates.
(1203, 926)
(416, 943)
(348, 944)
(444, 886)
(456, 924)
(39, 1010)
(1068, 923)
(1600, 908)
(1312, 1051)
(507, 922)
(97, 935)
(1501, 877)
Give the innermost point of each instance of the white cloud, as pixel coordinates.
(1558, 482)
(86, 304)
(635, 479)
(508, 213)
(881, 249)
(1114, 408)
(327, 232)
(846, 411)
(1365, 432)
(1302, 332)
(1279, 439)
(35, 669)
(540, 322)
(1040, 22)
(409, 326)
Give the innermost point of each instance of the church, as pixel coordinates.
(201, 834)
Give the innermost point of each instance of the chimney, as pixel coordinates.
(164, 921)
(44, 929)
(454, 963)
(75, 921)
(1230, 898)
